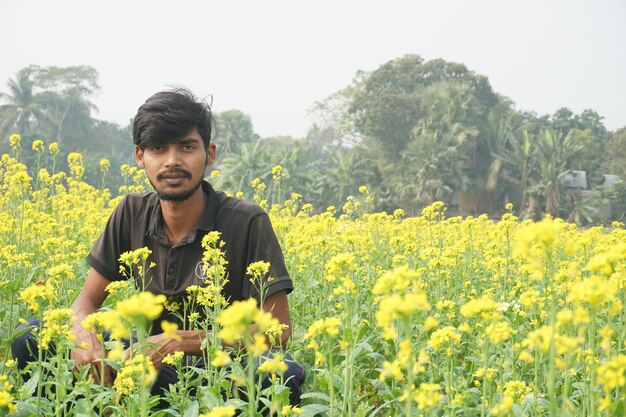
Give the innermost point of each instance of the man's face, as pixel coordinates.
(176, 169)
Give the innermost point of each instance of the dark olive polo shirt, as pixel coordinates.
(245, 229)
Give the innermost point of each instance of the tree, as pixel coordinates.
(615, 154)
(422, 125)
(438, 158)
(332, 123)
(234, 128)
(24, 109)
(239, 169)
(512, 153)
(67, 91)
(52, 102)
(514, 161)
(593, 136)
(295, 157)
(387, 103)
(555, 150)
(340, 175)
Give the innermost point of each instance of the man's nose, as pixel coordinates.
(172, 158)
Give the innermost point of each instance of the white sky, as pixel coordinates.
(273, 59)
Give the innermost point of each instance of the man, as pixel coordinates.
(172, 133)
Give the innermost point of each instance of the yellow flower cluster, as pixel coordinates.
(274, 366)
(7, 403)
(136, 372)
(612, 374)
(225, 411)
(214, 262)
(329, 326)
(396, 307)
(257, 270)
(483, 307)
(57, 325)
(141, 307)
(208, 295)
(277, 173)
(174, 359)
(426, 395)
(594, 292)
(544, 292)
(135, 257)
(499, 332)
(106, 320)
(320, 330)
(220, 358)
(446, 336)
(236, 319)
(37, 295)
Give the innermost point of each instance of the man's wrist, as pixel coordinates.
(191, 341)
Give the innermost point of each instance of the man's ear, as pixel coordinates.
(139, 156)
(211, 154)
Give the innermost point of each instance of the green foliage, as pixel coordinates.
(413, 131)
(615, 154)
(234, 128)
(422, 124)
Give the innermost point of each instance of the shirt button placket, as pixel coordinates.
(171, 271)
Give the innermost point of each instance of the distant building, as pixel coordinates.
(609, 180)
(574, 179)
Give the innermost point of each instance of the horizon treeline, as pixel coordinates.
(412, 131)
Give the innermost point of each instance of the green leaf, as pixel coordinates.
(192, 411)
(317, 396)
(312, 410)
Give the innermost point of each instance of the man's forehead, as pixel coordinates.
(191, 136)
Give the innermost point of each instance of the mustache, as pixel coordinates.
(178, 171)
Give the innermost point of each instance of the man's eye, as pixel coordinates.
(188, 147)
(157, 148)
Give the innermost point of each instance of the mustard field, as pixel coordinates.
(392, 316)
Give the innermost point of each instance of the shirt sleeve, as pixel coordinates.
(263, 246)
(105, 253)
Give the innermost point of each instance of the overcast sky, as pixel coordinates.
(273, 59)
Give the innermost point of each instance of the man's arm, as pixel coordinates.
(89, 300)
(190, 341)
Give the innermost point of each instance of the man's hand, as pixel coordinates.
(89, 353)
(159, 346)
(88, 350)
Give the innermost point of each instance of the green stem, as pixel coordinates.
(40, 366)
(408, 406)
(593, 394)
(331, 388)
(347, 383)
(552, 365)
(536, 387)
(485, 367)
(449, 384)
(564, 404)
(251, 384)
(143, 391)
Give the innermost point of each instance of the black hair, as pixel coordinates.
(169, 115)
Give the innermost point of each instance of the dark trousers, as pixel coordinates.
(25, 350)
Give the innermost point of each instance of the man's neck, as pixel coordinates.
(180, 217)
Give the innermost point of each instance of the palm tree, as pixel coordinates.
(239, 169)
(69, 115)
(435, 162)
(340, 176)
(24, 109)
(556, 150)
(514, 160)
(295, 158)
(234, 128)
